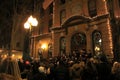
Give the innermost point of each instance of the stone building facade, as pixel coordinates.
(69, 25)
(88, 23)
(84, 25)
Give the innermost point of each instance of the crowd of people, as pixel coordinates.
(73, 67)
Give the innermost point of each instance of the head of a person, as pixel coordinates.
(42, 69)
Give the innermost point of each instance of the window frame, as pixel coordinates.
(97, 44)
(62, 50)
(92, 8)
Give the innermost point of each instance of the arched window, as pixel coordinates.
(92, 8)
(62, 45)
(97, 42)
(78, 42)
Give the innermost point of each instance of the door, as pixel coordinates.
(78, 42)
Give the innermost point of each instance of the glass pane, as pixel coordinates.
(97, 42)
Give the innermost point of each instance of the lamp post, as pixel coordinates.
(29, 24)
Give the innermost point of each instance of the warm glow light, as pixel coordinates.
(43, 46)
(30, 22)
(106, 9)
(34, 22)
(110, 36)
(97, 48)
(100, 40)
(13, 55)
(1, 50)
(30, 19)
(5, 56)
(19, 57)
(26, 25)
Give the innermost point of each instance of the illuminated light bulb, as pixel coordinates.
(27, 25)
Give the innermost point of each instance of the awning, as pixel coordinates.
(46, 3)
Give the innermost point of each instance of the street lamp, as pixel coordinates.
(31, 22)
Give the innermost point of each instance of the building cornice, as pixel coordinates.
(42, 35)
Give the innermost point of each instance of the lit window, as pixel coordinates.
(97, 42)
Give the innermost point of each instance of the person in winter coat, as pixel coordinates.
(76, 70)
(90, 71)
(103, 68)
(41, 75)
(116, 71)
(61, 72)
